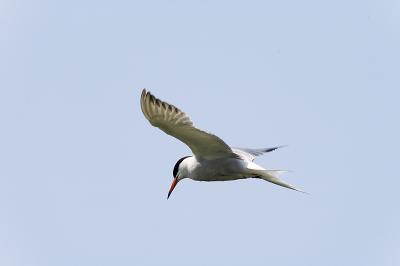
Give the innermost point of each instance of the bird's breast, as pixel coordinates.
(217, 170)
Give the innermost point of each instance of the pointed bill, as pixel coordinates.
(173, 185)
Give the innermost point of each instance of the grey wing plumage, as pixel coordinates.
(176, 123)
(251, 154)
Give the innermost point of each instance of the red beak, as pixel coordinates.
(173, 185)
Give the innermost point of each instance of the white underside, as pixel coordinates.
(226, 169)
(219, 169)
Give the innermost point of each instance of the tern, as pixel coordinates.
(212, 159)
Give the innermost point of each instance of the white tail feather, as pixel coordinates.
(273, 177)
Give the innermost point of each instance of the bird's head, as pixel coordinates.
(177, 174)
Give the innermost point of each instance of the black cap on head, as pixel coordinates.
(176, 167)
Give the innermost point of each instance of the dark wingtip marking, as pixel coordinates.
(275, 148)
(152, 99)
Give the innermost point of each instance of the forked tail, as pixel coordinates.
(273, 177)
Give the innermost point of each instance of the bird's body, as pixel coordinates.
(213, 159)
(221, 169)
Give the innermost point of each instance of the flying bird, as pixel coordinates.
(212, 159)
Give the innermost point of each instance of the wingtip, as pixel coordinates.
(277, 147)
(143, 102)
(301, 191)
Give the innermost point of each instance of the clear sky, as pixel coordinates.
(84, 177)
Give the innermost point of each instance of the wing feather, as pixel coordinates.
(251, 154)
(176, 123)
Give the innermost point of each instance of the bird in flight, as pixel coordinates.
(212, 159)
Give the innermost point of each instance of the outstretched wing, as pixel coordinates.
(176, 123)
(251, 154)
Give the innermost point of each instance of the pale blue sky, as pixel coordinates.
(84, 177)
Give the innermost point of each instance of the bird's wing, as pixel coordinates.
(251, 154)
(176, 123)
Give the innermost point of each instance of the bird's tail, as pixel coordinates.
(273, 177)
